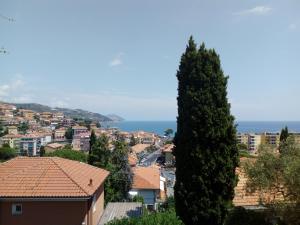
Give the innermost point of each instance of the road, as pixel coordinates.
(150, 158)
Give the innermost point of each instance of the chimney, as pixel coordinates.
(91, 182)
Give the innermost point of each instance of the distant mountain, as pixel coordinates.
(73, 113)
(115, 117)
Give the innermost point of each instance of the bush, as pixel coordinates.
(162, 218)
(7, 153)
(241, 216)
(69, 154)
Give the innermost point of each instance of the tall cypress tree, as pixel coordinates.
(205, 143)
(284, 134)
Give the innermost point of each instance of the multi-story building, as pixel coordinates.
(243, 138)
(59, 135)
(144, 137)
(27, 114)
(272, 139)
(58, 115)
(296, 137)
(79, 130)
(13, 140)
(12, 130)
(30, 145)
(254, 142)
(46, 138)
(81, 141)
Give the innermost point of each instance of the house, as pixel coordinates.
(53, 147)
(148, 184)
(144, 137)
(50, 190)
(12, 130)
(167, 151)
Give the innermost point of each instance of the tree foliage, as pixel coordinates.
(161, 218)
(241, 216)
(274, 174)
(169, 132)
(119, 181)
(284, 134)
(7, 153)
(69, 154)
(69, 133)
(23, 127)
(205, 142)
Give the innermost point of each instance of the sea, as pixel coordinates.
(159, 127)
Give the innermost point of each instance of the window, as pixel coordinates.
(16, 209)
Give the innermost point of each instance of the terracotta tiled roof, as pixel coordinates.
(168, 148)
(13, 136)
(79, 127)
(55, 145)
(132, 159)
(139, 147)
(244, 198)
(48, 177)
(146, 178)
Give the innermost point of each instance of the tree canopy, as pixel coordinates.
(119, 181)
(69, 154)
(277, 174)
(7, 153)
(205, 142)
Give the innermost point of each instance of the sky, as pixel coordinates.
(121, 56)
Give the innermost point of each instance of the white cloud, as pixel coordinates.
(117, 60)
(7, 89)
(258, 10)
(292, 26)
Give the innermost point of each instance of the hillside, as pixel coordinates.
(115, 117)
(73, 113)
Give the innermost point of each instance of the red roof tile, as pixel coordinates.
(48, 177)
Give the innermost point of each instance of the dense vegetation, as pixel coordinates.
(206, 148)
(69, 154)
(274, 174)
(115, 161)
(7, 153)
(160, 218)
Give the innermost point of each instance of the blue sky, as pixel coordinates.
(121, 56)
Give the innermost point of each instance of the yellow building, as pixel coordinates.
(272, 139)
(242, 138)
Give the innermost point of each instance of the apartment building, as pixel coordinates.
(30, 145)
(243, 138)
(79, 130)
(272, 139)
(81, 142)
(13, 140)
(59, 134)
(254, 142)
